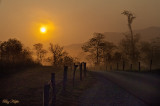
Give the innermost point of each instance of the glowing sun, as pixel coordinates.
(43, 29)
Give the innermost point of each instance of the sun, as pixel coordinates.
(43, 29)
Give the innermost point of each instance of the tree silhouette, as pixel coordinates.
(68, 60)
(126, 48)
(10, 50)
(130, 18)
(14, 55)
(108, 49)
(58, 54)
(155, 51)
(94, 47)
(40, 52)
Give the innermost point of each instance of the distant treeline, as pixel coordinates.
(14, 56)
(131, 49)
(102, 52)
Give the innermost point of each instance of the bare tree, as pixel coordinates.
(40, 52)
(68, 60)
(155, 52)
(130, 18)
(126, 48)
(94, 47)
(108, 49)
(58, 54)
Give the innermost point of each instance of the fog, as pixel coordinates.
(73, 21)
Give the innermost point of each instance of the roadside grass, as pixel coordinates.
(71, 97)
(27, 86)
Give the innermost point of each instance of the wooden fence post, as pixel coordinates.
(131, 67)
(85, 70)
(139, 66)
(80, 68)
(46, 95)
(123, 65)
(65, 77)
(151, 65)
(74, 72)
(53, 84)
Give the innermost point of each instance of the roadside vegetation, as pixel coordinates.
(129, 51)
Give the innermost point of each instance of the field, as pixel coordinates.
(98, 88)
(27, 86)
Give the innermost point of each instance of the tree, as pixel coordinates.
(14, 55)
(146, 51)
(117, 56)
(126, 49)
(68, 60)
(58, 54)
(40, 52)
(10, 50)
(108, 49)
(130, 18)
(155, 52)
(94, 47)
(27, 56)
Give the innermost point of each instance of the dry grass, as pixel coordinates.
(27, 86)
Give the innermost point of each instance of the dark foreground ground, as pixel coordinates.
(144, 86)
(99, 88)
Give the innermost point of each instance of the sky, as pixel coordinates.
(72, 21)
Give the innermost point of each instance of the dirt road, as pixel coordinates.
(122, 89)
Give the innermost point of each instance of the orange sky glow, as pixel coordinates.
(69, 22)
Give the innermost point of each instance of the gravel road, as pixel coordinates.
(143, 85)
(106, 93)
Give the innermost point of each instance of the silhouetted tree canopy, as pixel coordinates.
(130, 18)
(59, 56)
(125, 47)
(14, 55)
(94, 46)
(40, 52)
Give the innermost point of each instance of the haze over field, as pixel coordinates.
(79, 52)
(146, 34)
(72, 21)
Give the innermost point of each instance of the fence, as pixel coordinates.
(124, 66)
(49, 93)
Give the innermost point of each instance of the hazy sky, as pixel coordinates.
(72, 21)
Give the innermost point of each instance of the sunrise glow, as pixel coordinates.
(43, 29)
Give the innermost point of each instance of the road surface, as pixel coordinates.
(122, 89)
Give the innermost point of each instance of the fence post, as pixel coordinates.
(65, 77)
(139, 66)
(74, 72)
(85, 70)
(131, 67)
(80, 68)
(53, 89)
(151, 65)
(123, 65)
(117, 66)
(46, 95)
